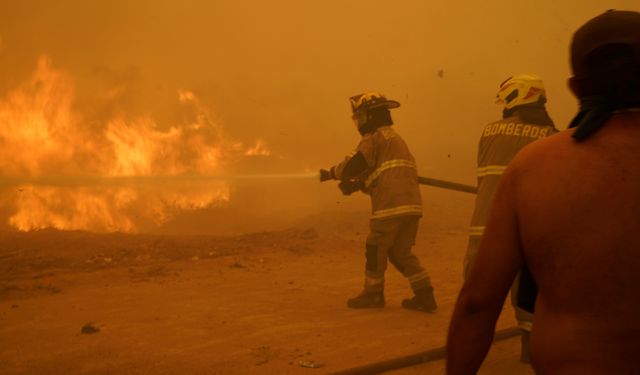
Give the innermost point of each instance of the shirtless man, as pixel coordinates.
(569, 205)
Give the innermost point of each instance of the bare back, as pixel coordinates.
(578, 209)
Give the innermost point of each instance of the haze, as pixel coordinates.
(281, 71)
(160, 209)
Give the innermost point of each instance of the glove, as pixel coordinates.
(349, 187)
(325, 175)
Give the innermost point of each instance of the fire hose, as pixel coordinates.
(326, 175)
(447, 185)
(417, 358)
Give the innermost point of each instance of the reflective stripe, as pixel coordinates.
(418, 277)
(371, 282)
(491, 170)
(627, 110)
(408, 209)
(476, 231)
(527, 326)
(387, 165)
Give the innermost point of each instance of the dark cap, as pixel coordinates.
(612, 27)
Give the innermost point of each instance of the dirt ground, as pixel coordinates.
(258, 303)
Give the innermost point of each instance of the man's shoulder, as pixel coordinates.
(549, 148)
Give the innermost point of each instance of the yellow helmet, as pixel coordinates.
(369, 100)
(519, 90)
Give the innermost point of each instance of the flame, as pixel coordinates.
(37, 122)
(88, 209)
(260, 149)
(139, 148)
(42, 136)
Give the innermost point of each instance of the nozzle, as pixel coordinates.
(325, 175)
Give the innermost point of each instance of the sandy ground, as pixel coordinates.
(258, 303)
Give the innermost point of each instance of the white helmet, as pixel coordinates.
(519, 90)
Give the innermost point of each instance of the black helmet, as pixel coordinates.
(370, 100)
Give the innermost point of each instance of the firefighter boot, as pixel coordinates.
(423, 300)
(525, 355)
(366, 300)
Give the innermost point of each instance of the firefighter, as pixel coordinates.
(524, 120)
(383, 167)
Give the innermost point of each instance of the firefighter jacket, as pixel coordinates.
(499, 143)
(390, 176)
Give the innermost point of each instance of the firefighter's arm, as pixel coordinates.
(349, 169)
(482, 296)
(349, 172)
(349, 187)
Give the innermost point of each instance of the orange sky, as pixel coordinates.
(282, 70)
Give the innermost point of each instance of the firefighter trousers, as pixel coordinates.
(391, 240)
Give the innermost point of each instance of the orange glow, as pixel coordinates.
(37, 124)
(259, 149)
(43, 139)
(80, 208)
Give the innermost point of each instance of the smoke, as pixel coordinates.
(274, 78)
